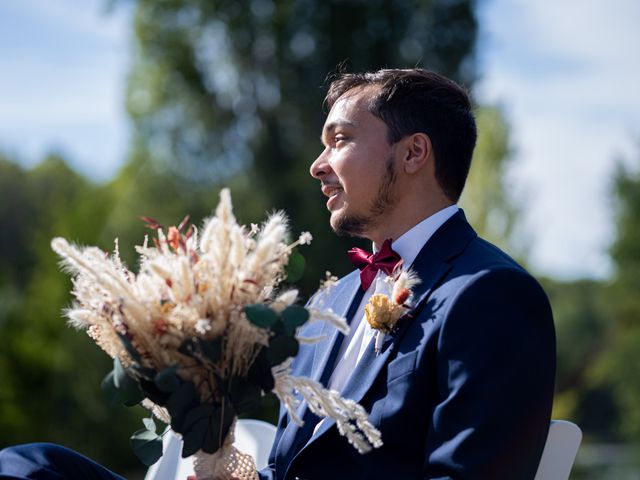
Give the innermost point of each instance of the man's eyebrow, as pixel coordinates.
(329, 127)
(338, 123)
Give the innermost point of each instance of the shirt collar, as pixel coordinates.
(409, 244)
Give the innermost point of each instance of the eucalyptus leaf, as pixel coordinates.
(153, 393)
(147, 446)
(109, 388)
(119, 387)
(188, 348)
(261, 315)
(131, 350)
(193, 438)
(196, 424)
(168, 380)
(281, 347)
(278, 327)
(260, 371)
(180, 403)
(196, 414)
(146, 373)
(211, 350)
(244, 394)
(293, 317)
(149, 424)
(295, 267)
(220, 422)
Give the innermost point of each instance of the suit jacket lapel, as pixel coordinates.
(341, 301)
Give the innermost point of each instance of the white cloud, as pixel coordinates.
(64, 68)
(81, 18)
(568, 76)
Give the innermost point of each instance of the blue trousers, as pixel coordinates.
(46, 461)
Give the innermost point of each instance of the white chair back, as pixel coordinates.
(559, 451)
(255, 437)
(252, 436)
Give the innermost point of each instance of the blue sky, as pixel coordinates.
(62, 86)
(565, 72)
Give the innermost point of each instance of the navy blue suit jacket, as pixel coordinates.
(461, 390)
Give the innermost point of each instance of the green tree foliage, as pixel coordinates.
(582, 319)
(486, 200)
(598, 330)
(231, 92)
(619, 371)
(49, 374)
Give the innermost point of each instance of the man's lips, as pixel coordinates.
(331, 190)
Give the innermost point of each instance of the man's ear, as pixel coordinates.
(417, 152)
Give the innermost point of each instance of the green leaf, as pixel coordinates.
(212, 350)
(152, 392)
(147, 446)
(149, 424)
(293, 317)
(193, 439)
(261, 315)
(281, 347)
(129, 390)
(180, 403)
(168, 380)
(196, 414)
(188, 348)
(219, 423)
(119, 387)
(147, 373)
(109, 388)
(260, 371)
(244, 394)
(196, 423)
(131, 350)
(295, 267)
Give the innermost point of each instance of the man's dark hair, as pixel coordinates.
(417, 100)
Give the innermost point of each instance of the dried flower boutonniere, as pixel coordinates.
(383, 312)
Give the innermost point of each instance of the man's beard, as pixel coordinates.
(358, 225)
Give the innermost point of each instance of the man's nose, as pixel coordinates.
(320, 167)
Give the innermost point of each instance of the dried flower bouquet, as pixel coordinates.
(202, 332)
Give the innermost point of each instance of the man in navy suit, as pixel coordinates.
(463, 388)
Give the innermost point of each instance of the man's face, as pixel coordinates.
(357, 166)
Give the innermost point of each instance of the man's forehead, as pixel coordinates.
(358, 96)
(349, 107)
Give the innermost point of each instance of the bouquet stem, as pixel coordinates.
(228, 463)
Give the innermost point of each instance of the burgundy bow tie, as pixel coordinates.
(369, 264)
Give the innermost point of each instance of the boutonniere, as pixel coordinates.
(383, 311)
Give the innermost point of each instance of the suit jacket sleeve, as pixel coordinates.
(495, 374)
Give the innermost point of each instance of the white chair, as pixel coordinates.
(559, 451)
(252, 436)
(255, 438)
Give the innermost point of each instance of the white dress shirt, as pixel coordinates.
(360, 334)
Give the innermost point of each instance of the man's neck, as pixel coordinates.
(401, 220)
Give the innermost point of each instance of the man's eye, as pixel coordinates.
(340, 138)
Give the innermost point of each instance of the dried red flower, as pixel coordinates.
(161, 326)
(402, 296)
(173, 238)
